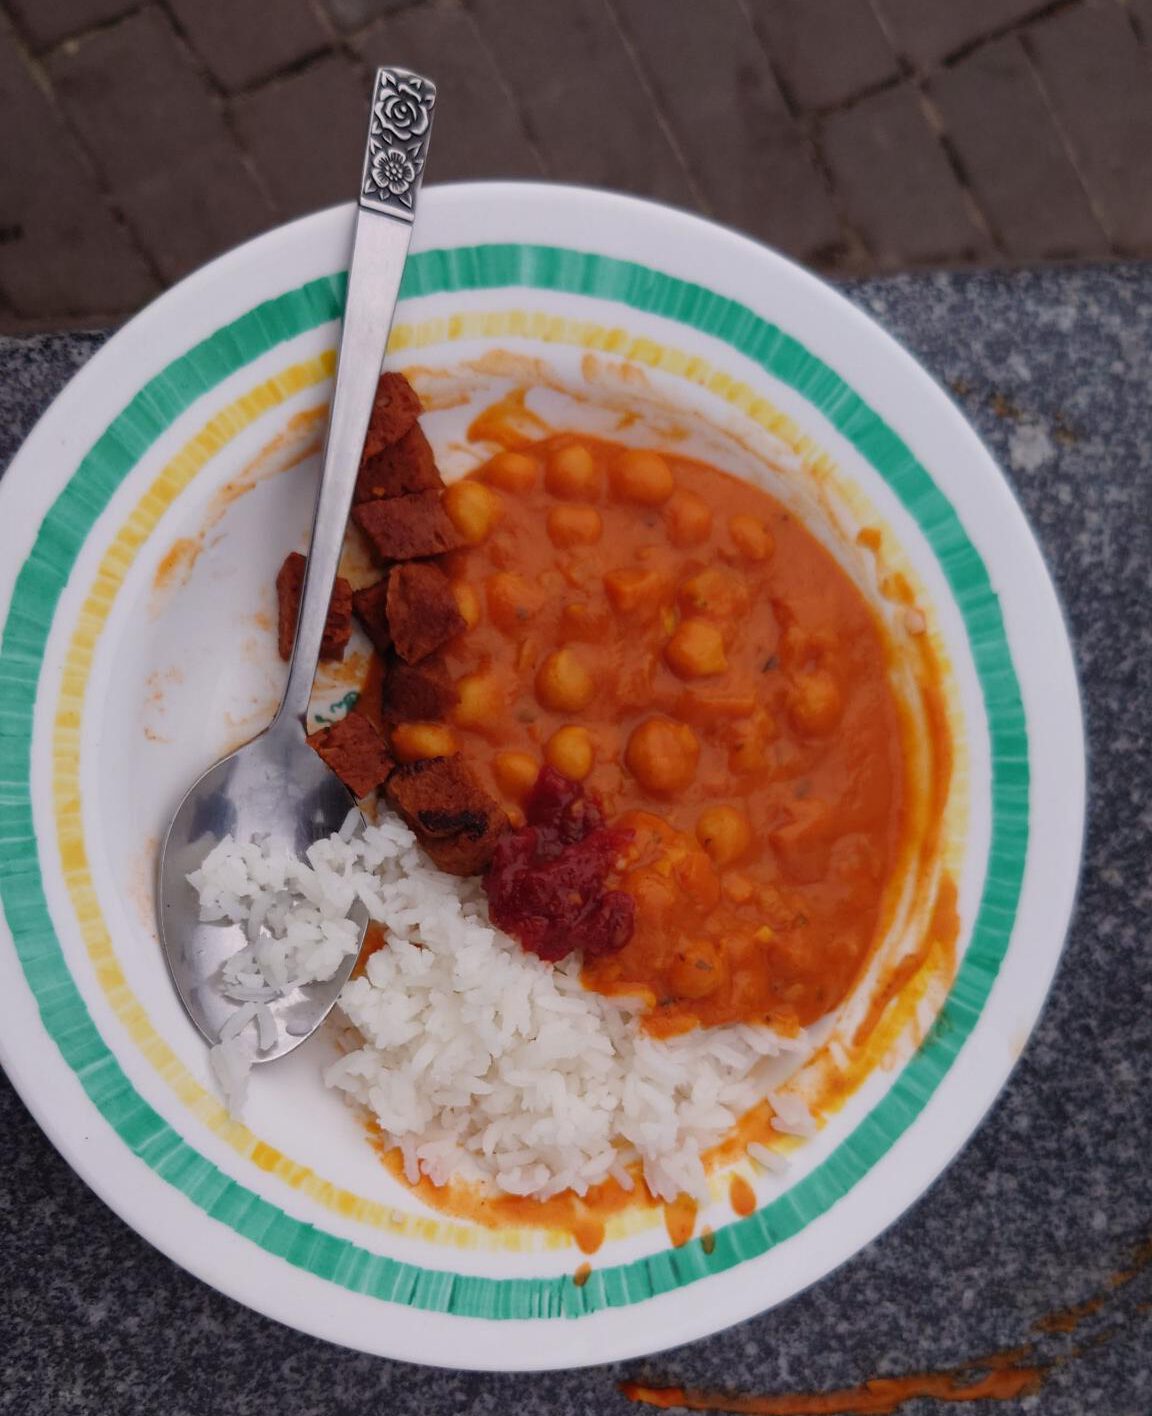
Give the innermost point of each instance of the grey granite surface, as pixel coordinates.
(1051, 1198)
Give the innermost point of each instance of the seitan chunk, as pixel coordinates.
(337, 627)
(356, 753)
(456, 821)
(407, 466)
(370, 606)
(417, 693)
(411, 527)
(422, 610)
(396, 408)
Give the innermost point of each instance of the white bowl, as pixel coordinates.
(130, 659)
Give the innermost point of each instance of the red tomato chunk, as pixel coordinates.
(547, 884)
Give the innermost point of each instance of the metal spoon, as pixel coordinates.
(276, 785)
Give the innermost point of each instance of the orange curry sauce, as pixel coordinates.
(678, 640)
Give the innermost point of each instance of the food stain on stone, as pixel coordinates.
(879, 1397)
(1002, 1376)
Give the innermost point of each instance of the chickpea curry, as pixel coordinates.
(677, 642)
(641, 698)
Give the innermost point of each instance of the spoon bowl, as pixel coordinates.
(273, 786)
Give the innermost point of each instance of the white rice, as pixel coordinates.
(477, 1060)
(767, 1158)
(295, 916)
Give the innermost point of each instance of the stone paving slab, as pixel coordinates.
(446, 41)
(143, 137)
(1021, 176)
(1096, 76)
(752, 163)
(897, 185)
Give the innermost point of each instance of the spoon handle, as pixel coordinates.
(398, 133)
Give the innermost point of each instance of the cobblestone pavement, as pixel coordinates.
(140, 139)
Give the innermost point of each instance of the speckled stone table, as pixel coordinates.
(1049, 1202)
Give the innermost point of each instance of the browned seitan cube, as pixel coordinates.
(407, 466)
(417, 693)
(456, 821)
(411, 527)
(422, 610)
(356, 753)
(396, 408)
(370, 605)
(337, 627)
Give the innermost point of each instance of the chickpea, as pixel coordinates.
(688, 518)
(479, 701)
(752, 538)
(467, 602)
(656, 896)
(815, 702)
(639, 593)
(473, 509)
(716, 593)
(573, 474)
(696, 650)
(563, 684)
(698, 969)
(571, 751)
(413, 742)
(512, 472)
(512, 600)
(662, 755)
(641, 477)
(574, 525)
(515, 773)
(725, 833)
